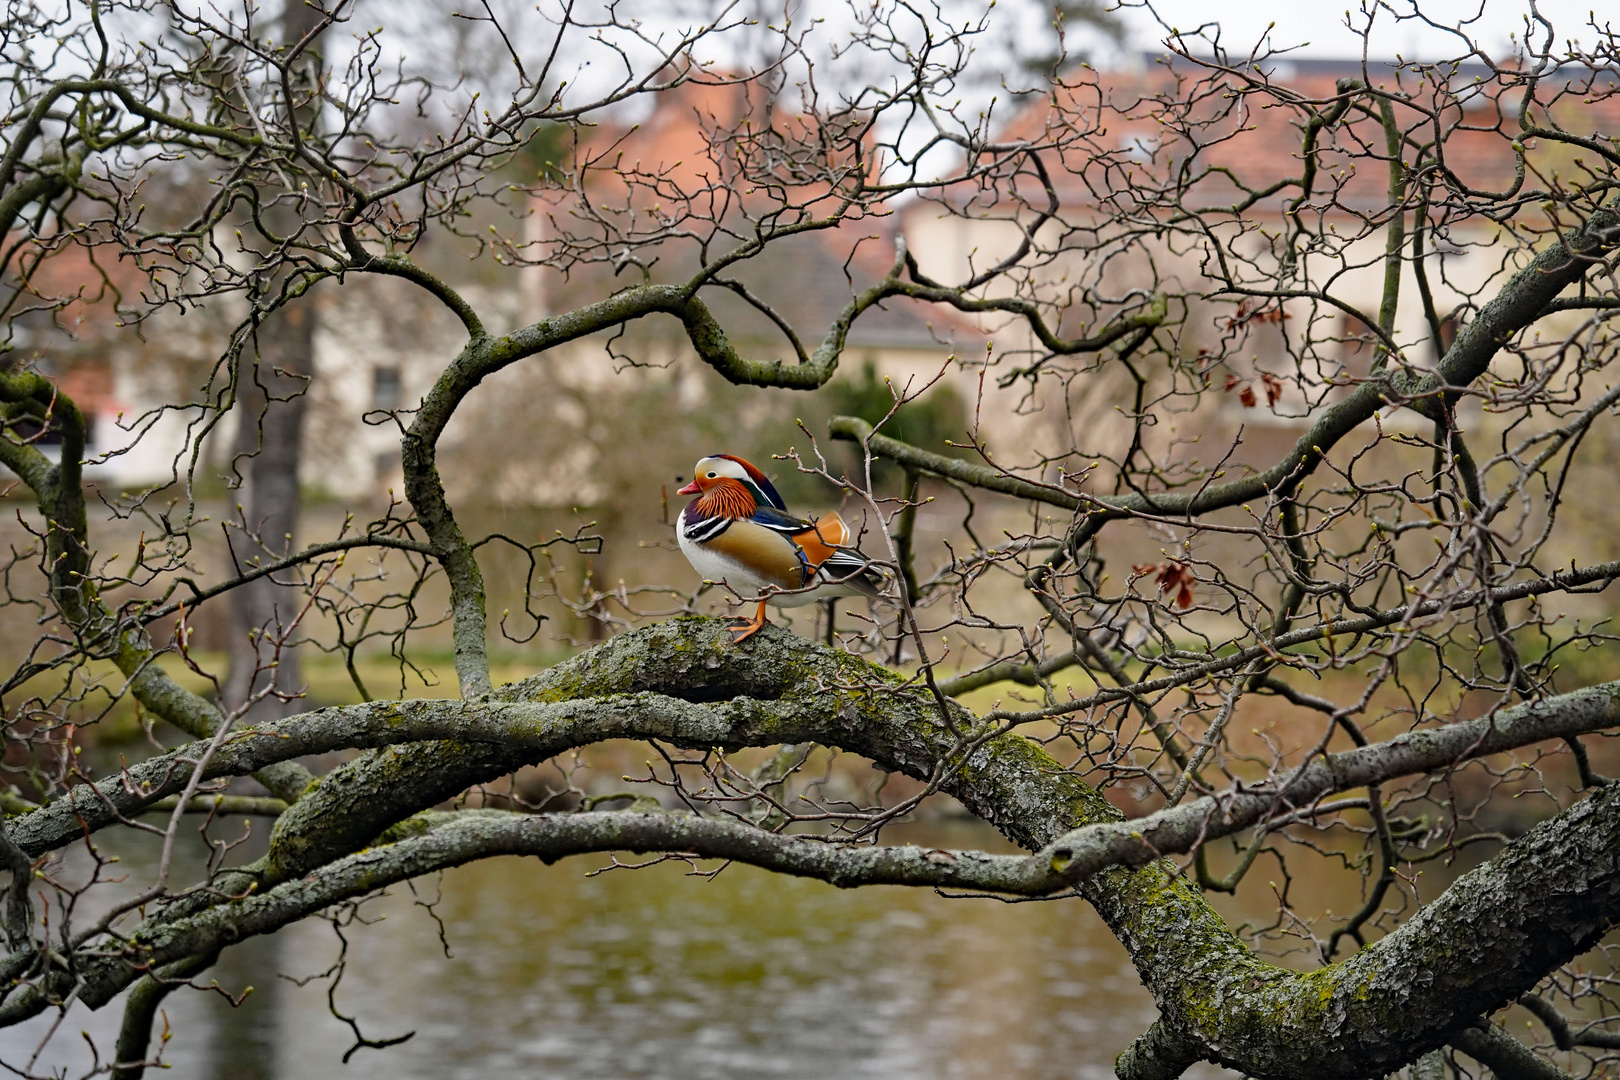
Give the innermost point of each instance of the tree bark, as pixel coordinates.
(1496, 932)
(273, 380)
(273, 399)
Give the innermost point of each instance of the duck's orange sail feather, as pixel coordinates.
(825, 536)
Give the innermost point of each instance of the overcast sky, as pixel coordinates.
(1319, 26)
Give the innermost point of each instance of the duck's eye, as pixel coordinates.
(711, 476)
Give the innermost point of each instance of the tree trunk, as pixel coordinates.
(273, 400)
(273, 380)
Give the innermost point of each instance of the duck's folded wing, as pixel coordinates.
(825, 548)
(779, 521)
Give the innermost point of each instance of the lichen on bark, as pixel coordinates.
(1548, 895)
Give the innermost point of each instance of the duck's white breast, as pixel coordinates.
(711, 565)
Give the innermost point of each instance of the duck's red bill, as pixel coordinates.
(689, 489)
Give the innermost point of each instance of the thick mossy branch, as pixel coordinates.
(1547, 898)
(683, 682)
(446, 741)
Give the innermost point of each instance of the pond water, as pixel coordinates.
(652, 974)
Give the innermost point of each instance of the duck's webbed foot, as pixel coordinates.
(750, 628)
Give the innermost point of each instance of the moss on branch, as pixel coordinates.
(684, 682)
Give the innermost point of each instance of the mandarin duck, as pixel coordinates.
(739, 533)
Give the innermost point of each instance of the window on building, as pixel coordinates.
(386, 391)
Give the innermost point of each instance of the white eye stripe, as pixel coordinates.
(711, 468)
